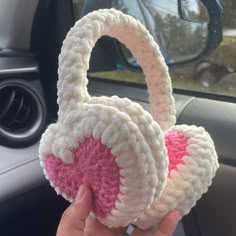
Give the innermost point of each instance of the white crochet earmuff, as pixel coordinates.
(139, 166)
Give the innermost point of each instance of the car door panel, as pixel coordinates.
(215, 212)
(21, 172)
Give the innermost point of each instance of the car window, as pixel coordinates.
(212, 74)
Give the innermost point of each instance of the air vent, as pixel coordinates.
(22, 114)
(16, 108)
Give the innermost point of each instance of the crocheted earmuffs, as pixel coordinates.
(139, 166)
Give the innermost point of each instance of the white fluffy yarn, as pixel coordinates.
(135, 136)
(75, 55)
(192, 179)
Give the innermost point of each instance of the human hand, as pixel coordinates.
(75, 221)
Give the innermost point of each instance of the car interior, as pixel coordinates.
(31, 36)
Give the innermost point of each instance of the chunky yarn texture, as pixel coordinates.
(139, 165)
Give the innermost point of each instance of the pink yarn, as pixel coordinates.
(176, 143)
(94, 166)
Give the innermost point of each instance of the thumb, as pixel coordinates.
(73, 219)
(168, 224)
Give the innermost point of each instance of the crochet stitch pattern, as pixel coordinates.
(93, 166)
(139, 165)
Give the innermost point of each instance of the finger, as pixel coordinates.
(140, 232)
(94, 227)
(73, 219)
(168, 224)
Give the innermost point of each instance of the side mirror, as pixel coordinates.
(186, 30)
(194, 11)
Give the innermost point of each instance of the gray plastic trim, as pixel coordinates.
(16, 65)
(16, 17)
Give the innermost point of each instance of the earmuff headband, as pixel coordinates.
(75, 55)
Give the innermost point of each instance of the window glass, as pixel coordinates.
(215, 73)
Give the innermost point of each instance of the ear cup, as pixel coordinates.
(192, 165)
(108, 153)
(149, 128)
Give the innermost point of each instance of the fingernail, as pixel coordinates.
(81, 193)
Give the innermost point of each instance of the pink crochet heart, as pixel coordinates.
(93, 165)
(176, 143)
(192, 165)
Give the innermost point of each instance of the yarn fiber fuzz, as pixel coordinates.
(139, 165)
